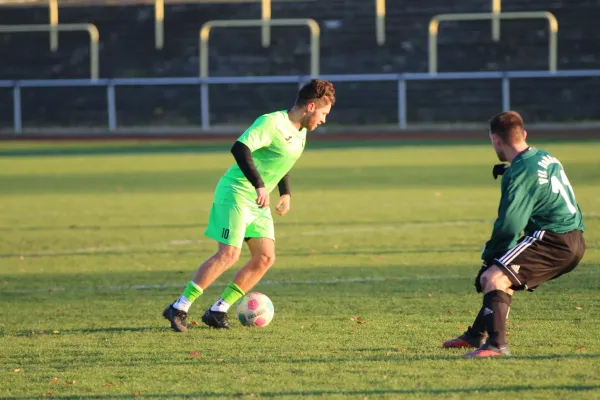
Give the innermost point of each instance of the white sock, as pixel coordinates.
(220, 306)
(182, 303)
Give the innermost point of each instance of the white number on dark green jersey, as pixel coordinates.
(558, 187)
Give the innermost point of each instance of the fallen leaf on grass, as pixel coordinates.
(358, 320)
(56, 332)
(137, 393)
(17, 370)
(194, 353)
(579, 308)
(54, 381)
(580, 348)
(49, 393)
(194, 323)
(70, 383)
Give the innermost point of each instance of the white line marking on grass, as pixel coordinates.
(393, 228)
(267, 283)
(183, 242)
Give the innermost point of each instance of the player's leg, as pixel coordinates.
(261, 244)
(497, 297)
(536, 259)
(227, 226)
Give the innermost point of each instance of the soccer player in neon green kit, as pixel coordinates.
(264, 155)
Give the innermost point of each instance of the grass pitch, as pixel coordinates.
(375, 269)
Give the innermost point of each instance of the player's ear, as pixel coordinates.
(311, 107)
(524, 134)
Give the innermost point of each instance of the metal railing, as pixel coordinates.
(434, 24)
(89, 28)
(400, 80)
(315, 35)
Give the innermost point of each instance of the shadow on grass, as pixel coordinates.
(324, 393)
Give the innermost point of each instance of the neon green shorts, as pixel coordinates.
(232, 223)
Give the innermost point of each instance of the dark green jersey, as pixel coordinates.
(536, 195)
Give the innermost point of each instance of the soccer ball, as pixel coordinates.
(255, 309)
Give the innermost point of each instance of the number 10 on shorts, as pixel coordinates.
(225, 233)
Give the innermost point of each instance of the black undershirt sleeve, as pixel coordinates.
(243, 157)
(284, 185)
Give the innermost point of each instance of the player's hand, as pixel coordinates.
(262, 197)
(499, 169)
(283, 205)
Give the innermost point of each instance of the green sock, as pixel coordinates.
(232, 293)
(191, 293)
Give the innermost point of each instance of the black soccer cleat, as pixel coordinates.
(176, 317)
(216, 319)
(465, 340)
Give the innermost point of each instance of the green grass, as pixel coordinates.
(95, 240)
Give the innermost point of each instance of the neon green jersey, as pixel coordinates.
(275, 144)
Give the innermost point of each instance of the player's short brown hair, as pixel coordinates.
(317, 91)
(508, 126)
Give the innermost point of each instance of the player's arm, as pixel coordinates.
(516, 206)
(285, 193)
(284, 185)
(257, 136)
(244, 160)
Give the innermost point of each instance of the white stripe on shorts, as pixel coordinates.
(518, 249)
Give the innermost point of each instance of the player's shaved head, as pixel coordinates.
(508, 126)
(316, 91)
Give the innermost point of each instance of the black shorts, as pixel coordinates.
(541, 257)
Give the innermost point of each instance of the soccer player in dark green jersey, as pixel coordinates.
(264, 155)
(538, 200)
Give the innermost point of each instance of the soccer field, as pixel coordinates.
(375, 269)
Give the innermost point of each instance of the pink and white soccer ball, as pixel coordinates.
(255, 309)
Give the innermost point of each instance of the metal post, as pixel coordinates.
(380, 21)
(94, 52)
(111, 107)
(496, 10)
(159, 24)
(204, 106)
(53, 10)
(434, 26)
(505, 94)
(402, 103)
(266, 28)
(17, 117)
(553, 43)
